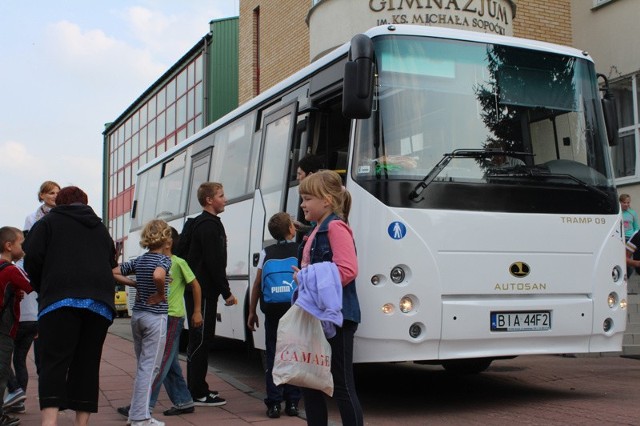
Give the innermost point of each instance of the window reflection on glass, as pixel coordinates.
(624, 156)
(622, 90)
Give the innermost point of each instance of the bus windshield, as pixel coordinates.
(530, 119)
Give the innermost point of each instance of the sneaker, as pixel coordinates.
(149, 422)
(9, 421)
(16, 408)
(14, 397)
(124, 410)
(177, 411)
(291, 408)
(273, 412)
(210, 400)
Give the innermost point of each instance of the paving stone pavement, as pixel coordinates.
(117, 371)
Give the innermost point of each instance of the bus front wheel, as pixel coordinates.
(467, 366)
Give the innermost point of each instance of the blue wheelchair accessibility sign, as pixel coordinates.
(397, 230)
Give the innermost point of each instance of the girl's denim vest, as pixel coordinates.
(321, 252)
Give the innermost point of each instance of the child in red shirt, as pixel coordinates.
(13, 282)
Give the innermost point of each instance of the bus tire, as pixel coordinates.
(467, 366)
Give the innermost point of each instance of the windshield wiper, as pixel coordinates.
(458, 153)
(538, 173)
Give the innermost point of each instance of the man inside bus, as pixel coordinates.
(307, 165)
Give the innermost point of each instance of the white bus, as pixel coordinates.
(484, 209)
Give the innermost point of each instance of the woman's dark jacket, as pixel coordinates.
(70, 254)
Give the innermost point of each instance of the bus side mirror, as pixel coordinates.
(610, 112)
(357, 91)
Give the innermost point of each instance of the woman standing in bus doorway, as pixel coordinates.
(326, 202)
(47, 196)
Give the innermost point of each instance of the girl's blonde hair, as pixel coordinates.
(155, 234)
(327, 184)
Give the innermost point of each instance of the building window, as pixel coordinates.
(624, 155)
(169, 116)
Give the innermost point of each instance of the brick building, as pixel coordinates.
(275, 36)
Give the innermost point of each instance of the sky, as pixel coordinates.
(67, 67)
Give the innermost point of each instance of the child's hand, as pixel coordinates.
(231, 300)
(130, 282)
(253, 322)
(155, 299)
(295, 273)
(196, 319)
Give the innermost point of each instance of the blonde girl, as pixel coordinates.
(149, 317)
(326, 202)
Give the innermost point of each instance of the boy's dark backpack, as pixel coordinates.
(182, 250)
(9, 296)
(277, 277)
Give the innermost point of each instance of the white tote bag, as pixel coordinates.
(303, 355)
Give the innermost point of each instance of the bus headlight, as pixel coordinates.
(397, 274)
(623, 304)
(607, 324)
(387, 308)
(406, 304)
(612, 300)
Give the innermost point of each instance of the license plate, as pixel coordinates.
(521, 321)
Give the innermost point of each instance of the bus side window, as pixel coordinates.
(170, 190)
(148, 210)
(232, 156)
(199, 174)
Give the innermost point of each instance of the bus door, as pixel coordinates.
(278, 133)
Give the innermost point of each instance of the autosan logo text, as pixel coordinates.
(520, 286)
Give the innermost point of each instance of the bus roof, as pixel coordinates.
(341, 51)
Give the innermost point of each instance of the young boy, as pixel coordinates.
(149, 318)
(282, 229)
(629, 216)
(13, 282)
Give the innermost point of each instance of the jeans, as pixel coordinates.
(344, 389)
(71, 341)
(149, 333)
(200, 339)
(170, 371)
(19, 376)
(275, 394)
